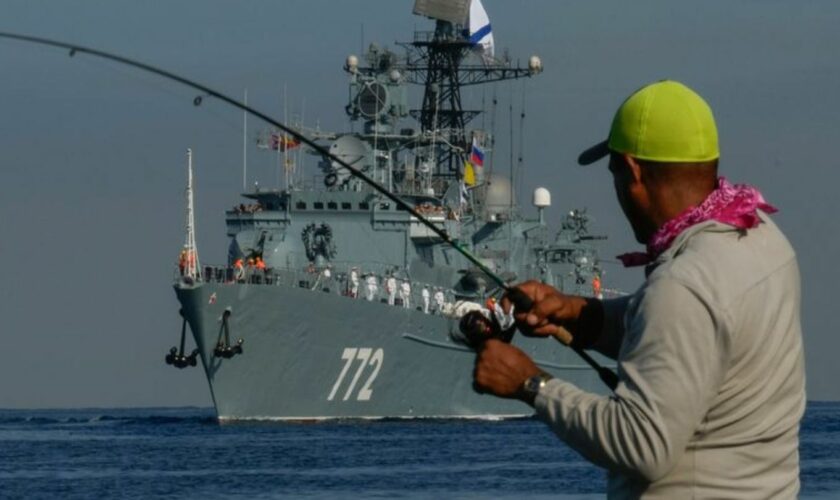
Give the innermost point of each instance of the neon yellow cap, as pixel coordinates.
(664, 121)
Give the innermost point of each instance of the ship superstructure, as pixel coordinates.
(334, 301)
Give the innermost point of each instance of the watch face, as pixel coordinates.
(532, 385)
(535, 383)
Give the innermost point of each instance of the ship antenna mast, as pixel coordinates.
(190, 253)
(439, 61)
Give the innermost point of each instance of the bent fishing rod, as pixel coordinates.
(520, 300)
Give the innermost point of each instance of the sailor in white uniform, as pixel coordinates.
(426, 299)
(372, 287)
(405, 294)
(326, 278)
(354, 282)
(440, 301)
(391, 289)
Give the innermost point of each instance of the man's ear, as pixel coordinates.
(635, 168)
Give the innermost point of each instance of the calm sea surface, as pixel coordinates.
(183, 453)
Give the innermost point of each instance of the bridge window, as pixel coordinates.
(364, 206)
(346, 206)
(384, 206)
(332, 205)
(301, 205)
(319, 205)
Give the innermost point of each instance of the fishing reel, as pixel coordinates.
(479, 325)
(476, 329)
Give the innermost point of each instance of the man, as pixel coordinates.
(354, 282)
(426, 298)
(372, 287)
(405, 294)
(391, 288)
(709, 351)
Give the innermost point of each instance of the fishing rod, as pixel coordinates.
(520, 300)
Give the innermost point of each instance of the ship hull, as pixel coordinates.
(309, 355)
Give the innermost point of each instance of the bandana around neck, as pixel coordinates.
(734, 205)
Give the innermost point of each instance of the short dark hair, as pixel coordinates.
(661, 171)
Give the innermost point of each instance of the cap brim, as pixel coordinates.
(594, 153)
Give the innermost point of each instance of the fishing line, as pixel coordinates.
(515, 295)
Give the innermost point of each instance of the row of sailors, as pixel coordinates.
(430, 302)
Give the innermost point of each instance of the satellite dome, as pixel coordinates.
(352, 63)
(542, 197)
(535, 64)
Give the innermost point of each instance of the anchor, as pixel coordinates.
(175, 357)
(223, 348)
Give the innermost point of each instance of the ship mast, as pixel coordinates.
(189, 255)
(438, 61)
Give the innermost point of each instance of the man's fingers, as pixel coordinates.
(553, 307)
(550, 330)
(534, 290)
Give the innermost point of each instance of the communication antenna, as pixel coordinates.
(245, 145)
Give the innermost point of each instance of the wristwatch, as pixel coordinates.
(532, 385)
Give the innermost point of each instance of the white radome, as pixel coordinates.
(542, 197)
(535, 64)
(352, 63)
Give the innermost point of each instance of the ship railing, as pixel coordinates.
(338, 282)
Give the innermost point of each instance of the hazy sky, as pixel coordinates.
(92, 154)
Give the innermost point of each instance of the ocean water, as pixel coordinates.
(184, 453)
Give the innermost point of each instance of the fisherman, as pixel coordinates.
(372, 287)
(426, 299)
(709, 350)
(405, 294)
(391, 289)
(354, 282)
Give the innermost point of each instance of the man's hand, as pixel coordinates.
(568, 318)
(502, 369)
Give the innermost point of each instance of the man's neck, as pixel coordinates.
(672, 202)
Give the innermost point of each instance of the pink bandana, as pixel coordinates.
(734, 205)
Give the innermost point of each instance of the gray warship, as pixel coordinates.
(335, 302)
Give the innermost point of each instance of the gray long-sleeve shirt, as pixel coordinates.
(712, 384)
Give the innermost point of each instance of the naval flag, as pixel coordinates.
(481, 35)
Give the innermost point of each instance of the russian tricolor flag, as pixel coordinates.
(477, 155)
